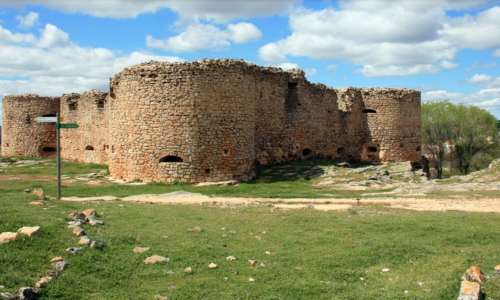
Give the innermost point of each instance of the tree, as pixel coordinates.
(471, 130)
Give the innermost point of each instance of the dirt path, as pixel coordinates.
(422, 204)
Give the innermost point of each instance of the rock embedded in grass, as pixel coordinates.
(474, 274)
(230, 258)
(156, 259)
(8, 296)
(59, 266)
(42, 282)
(140, 249)
(75, 215)
(29, 230)
(89, 213)
(158, 297)
(97, 244)
(36, 203)
(84, 240)
(56, 259)
(6, 237)
(39, 193)
(212, 266)
(470, 291)
(497, 270)
(385, 271)
(74, 250)
(188, 270)
(94, 222)
(78, 231)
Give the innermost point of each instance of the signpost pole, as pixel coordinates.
(58, 132)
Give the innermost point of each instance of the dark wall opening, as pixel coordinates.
(369, 111)
(292, 97)
(340, 151)
(89, 148)
(418, 148)
(307, 152)
(372, 149)
(49, 149)
(170, 158)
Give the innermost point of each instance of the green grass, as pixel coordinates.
(335, 247)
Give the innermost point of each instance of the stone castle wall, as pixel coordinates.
(213, 120)
(90, 141)
(22, 135)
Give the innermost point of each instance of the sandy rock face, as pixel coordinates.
(6, 237)
(29, 230)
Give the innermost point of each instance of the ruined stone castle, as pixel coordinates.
(213, 120)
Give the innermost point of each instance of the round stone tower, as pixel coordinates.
(394, 124)
(189, 122)
(21, 134)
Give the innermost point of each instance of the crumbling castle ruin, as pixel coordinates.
(213, 120)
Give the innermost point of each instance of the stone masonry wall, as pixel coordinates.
(213, 120)
(90, 141)
(22, 135)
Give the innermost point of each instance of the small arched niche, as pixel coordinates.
(418, 148)
(372, 149)
(170, 159)
(49, 150)
(369, 111)
(340, 151)
(90, 148)
(307, 152)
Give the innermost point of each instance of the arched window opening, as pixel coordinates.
(372, 149)
(306, 152)
(340, 151)
(418, 148)
(49, 149)
(89, 148)
(369, 111)
(170, 158)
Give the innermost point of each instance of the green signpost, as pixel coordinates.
(58, 127)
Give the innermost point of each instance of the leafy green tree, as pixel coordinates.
(471, 131)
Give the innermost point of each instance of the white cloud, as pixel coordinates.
(426, 87)
(496, 53)
(30, 20)
(210, 10)
(288, 66)
(446, 64)
(388, 38)
(488, 99)
(53, 65)
(481, 65)
(310, 72)
(331, 67)
(485, 81)
(372, 71)
(199, 37)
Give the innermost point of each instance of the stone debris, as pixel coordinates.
(497, 270)
(89, 213)
(385, 271)
(140, 249)
(188, 270)
(74, 250)
(8, 296)
(59, 266)
(253, 262)
(212, 266)
(251, 280)
(474, 274)
(470, 291)
(96, 244)
(36, 203)
(6, 237)
(2, 287)
(78, 231)
(42, 282)
(39, 193)
(74, 224)
(27, 293)
(27, 191)
(224, 228)
(84, 240)
(198, 229)
(56, 259)
(156, 259)
(75, 215)
(219, 183)
(258, 238)
(29, 230)
(94, 222)
(158, 297)
(230, 258)
(268, 253)
(232, 232)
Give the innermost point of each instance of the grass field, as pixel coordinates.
(314, 254)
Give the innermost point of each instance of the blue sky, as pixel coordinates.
(447, 49)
